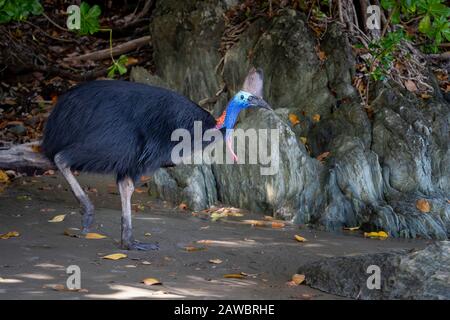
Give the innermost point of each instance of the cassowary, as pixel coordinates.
(124, 128)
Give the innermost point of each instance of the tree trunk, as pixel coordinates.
(24, 156)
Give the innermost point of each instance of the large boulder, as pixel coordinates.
(290, 190)
(379, 165)
(186, 39)
(416, 274)
(192, 185)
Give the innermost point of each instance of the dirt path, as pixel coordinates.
(40, 256)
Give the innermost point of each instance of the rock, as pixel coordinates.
(186, 39)
(291, 192)
(285, 49)
(140, 74)
(416, 274)
(18, 130)
(193, 185)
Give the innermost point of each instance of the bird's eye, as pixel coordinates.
(242, 97)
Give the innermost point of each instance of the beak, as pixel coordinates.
(258, 102)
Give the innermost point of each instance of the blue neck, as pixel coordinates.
(233, 110)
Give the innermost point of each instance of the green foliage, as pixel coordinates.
(18, 10)
(433, 16)
(382, 52)
(89, 19)
(118, 66)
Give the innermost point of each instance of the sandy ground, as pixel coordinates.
(36, 260)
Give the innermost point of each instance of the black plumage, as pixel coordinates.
(119, 127)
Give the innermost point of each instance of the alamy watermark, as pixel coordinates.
(73, 282)
(73, 17)
(373, 21)
(254, 146)
(374, 280)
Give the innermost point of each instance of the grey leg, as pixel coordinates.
(126, 188)
(87, 209)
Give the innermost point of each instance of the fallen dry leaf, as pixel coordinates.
(277, 225)
(410, 86)
(323, 156)
(131, 61)
(58, 218)
(299, 238)
(223, 214)
(351, 228)
(215, 261)
(234, 276)
(151, 282)
(36, 148)
(293, 118)
(139, 190)
(320, 54)
(11, 234)
(376, 235)
(423, 205)
(316, 117)
(115, 256)
(193, 249)
(304, 140)
(3, 177)
(94, 236)
(298, 278)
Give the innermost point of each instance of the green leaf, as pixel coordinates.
(446, 34)
(4, 18)
(112, 71)
(425, 24)
(396, 17)
(122, 69)
(438, 39)
(439, 9)
(36, 8)
(388, 4)
(18, 10)
(89, 19)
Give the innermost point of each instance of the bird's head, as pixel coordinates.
(249, 96)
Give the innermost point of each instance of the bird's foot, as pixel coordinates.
(136, 245)
(87, 217)
(87, 222)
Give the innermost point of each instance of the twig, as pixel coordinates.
(106, 53)
(440, 56)
(341, 18)
(48, 35)
(388, 22)
(53, 22)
